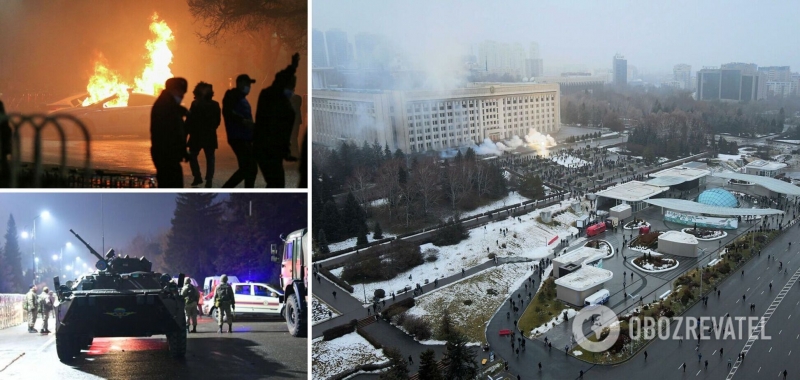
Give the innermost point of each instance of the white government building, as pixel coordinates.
(423, 120)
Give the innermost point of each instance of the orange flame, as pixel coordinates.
(106, 82)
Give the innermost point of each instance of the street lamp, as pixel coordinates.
(44, 215)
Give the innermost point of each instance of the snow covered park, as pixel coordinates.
(472, 318)
(335, 356)
(527, 238)
(350, 243)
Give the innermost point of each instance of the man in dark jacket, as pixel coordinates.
(167, 136)
(239, 126)
(275, 118)
(202, 124)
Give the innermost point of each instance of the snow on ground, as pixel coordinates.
(321, 312)
(726, 157)
(379, 202)
(577, 353)
(568, 160)
(336, 356)
(510, 199)
(557, 320)
(350, 243)
(789, 141)
(530, 242)
(472, 319)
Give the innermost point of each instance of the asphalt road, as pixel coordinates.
(256, 350)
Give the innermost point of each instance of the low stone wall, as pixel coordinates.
(11, 313)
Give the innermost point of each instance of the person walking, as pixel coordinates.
(729, 363)
(684, 366)
(410, 359)
(45, 307)
(167, 134)
(238, 116)
(275, 118)
(645, 356)
(31, 305)
(224, 301)
(191, 298)
(201, 126)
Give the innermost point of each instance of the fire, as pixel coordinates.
(106, 82)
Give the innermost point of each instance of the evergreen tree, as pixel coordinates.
(13, 257)
(398, 367)
(353, 216)
(195, 225)
(362, 236)
(428, 368)
(532, 187)
(387, 154)
(446, 328)
(6, 283)
(378, 232)
(459, 359)
(332, 223)
(322, 243)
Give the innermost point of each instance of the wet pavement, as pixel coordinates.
(256, 350)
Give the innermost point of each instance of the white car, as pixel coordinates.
(132, 120)
(255, 299)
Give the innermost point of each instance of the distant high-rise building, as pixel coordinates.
(682, 73)
(733, 81)
(533, 68)
(776, 73)
(319, 55)
(339, 51)
(533, 51)
(502, 58)
(366, 45)
(620, 66)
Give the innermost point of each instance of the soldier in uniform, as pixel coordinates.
(45, 307)
(224, 301)
(189, 292)
(31, 306)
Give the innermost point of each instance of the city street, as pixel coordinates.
(256, 349)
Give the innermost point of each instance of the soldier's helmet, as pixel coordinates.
(224, 278)
(46, 290)
(187, 280)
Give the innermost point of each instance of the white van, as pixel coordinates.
(596, 299)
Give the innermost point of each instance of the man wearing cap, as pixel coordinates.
(32, 307)
(167, 135)
(45, 307)
(238, 117)
(274, 122)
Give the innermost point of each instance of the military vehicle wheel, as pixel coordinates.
(295, 318)
(177, 343)
(65, 347)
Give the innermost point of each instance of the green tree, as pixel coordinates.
(13, 257)
(532, 187)
(322, 243)
(459, 359)
(353, 216)
(446, 328)
(361, 239)
(6, 283)
(378, 232)
(191, 244)
(428, 368)
(332, 222)
(398, 367)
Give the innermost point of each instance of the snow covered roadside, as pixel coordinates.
(649, 268)
(530, 242)
(557, 320)
(473, 318)
(332, 357)
(321, 312)
(350, 243)
(511, 199)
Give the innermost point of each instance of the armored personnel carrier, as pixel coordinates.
(123, 298)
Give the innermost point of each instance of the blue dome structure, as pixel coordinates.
(718, 197)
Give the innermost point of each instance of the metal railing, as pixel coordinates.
(11, 310)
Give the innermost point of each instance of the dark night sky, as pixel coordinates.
(126, 215)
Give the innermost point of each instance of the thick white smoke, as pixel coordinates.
(535, 138)
(489, 147)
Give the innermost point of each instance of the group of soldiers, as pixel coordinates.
(260, 142)
(38, 304)
(223, 301)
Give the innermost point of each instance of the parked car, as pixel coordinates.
(132, 120)
(254, 299)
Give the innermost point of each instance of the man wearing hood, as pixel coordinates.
(275, 119)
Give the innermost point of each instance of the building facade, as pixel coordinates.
(425, 120)
(620, 66)
(340, 54)
(738, 82)
(319, 55)
(682, 73)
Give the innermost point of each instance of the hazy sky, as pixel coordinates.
(126, 215)
(653, 35)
